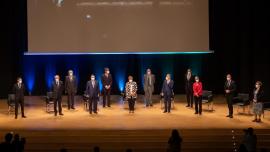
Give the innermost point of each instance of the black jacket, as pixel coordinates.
(19, 92)
(58, 89)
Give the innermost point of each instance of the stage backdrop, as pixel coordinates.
(113, 26)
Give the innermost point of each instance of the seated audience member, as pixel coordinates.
(250, 140)
(96, 149)
(174, 142)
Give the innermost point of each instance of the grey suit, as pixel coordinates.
(148, 85)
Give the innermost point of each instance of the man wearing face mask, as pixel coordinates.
(148, 85)
(167, 92)
(106, 80)
(58, 89)
(71, 89)
(230, 91)
(131, 93)
(189, 79)
(18, 90)
(92, 90)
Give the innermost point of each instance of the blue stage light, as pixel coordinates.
(49, 76)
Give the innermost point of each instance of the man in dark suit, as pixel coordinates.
(106, 80)
(71, 89)
(58, 92)
(167, 93)
(18, 90)
(189, 80)
(92, 90)
(230, 92)
(148, 86)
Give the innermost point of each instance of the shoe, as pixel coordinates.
(191, 106)
(96, 112)
(73, 108)
(151, 105)
(231, 116)
(55, 114)
(169, 111)
(200, 113)
(196, 113)
(259, 120)
(164, 111)
(90, 112)
(109, 106)
(23, 116)
(228, 115)
(255, 120)
(61, 114)
(16, 117)
(187, 105)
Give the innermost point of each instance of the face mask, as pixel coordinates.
(148, 72)
(20, 81)
(56, 80)
(167, 78)
(108, 72)
(228, 79)
(130, 80)
(257, 86)
(70, 74)
(197, 80)
(92, 79)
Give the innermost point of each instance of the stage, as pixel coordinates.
(118, 118)
(115, 130)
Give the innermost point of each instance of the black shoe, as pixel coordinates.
(90, 112)
(164, 111)
(61, 114)
(151, 105)
(200, 113)
(191, 106)
(255, 120)
(73, 108)
(16, 117)
(96, 112)
(187, 105)
(55, 114)
(231, 116)
(109, 106)
(169, 111)
(259, 120)
(196, 113)
(23, 116)
(228, 115)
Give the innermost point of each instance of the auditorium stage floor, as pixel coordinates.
(117, 117)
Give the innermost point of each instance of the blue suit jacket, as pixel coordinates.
(167, 88)
(91, 91)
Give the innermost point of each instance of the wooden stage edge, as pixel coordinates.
(118, 118)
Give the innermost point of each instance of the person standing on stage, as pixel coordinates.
(189, 80)
(58, 88)
(230, 91)
(257, 101)
(93, 92)
(131, 93)
(167, 92)
(106, 80)
(71, 89)
(148, 85)
(18, 90)
(197, 91)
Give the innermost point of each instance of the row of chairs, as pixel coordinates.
(242, 100)
(207, 99)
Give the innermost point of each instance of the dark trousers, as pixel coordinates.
(229, 98)
(93, 104)
(198, 104)
(131, 103)
(71, 98)
(189, 95)
(58, 103)
(167, 103)
(19, 101)
(106, 97)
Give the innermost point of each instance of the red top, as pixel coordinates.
(197, 88)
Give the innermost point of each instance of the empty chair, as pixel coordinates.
(11, 103)
(207, 98)
(49, 100)
(242, 101)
